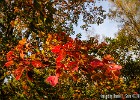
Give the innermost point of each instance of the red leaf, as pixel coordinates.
(9, 63)
(37, 64)
(115, 67)
(18, 72)
(26, 62)
(59, 65)
(72, 63)
(59, 58)
(10, 55)
(96, 63)
(56, 49)
(53, 80)
(68, 45)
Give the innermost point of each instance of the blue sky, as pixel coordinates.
(107, 29)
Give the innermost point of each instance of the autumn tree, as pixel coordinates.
(24, 25)
(33, 19)
(41, 61)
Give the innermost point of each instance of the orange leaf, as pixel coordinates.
(19, 47)
(108, 58)
(22, 54)
(23, 41)
(9, 63)
(37, 64)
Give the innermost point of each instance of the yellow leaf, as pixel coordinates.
(54, 40)
(47, 43)
(42, 51)
(32, 56)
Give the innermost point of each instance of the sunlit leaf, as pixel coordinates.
(23, 41)
(22, 54)
(53, 80)
(56, 49)
(9, 63)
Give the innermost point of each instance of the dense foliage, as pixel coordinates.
(39, 60)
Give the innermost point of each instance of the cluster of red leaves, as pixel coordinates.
(110, 69)
(70, 56)
(25, 64)
(61, 53)
(72, 50)
(10, 57)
